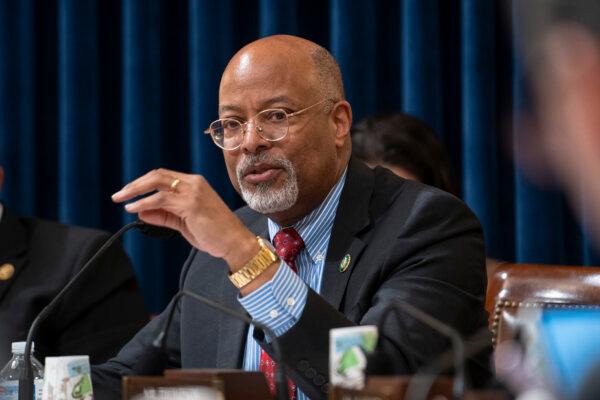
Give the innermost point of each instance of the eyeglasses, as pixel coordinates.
(271, 125)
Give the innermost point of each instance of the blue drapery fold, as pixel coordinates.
(142, 138)
(79, 163)
(353, 38)
(94, 94)
(18, 148)
(421, 61)
(480, 129)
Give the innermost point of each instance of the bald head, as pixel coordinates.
(316, 65)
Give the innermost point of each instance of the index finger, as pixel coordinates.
(158, 179)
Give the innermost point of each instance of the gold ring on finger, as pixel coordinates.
(174, 185)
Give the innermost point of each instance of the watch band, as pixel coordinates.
(261, 261)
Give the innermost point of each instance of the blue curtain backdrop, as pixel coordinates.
(94, 93)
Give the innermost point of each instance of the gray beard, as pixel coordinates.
(263, 198)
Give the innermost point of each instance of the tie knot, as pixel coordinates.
(288, 244)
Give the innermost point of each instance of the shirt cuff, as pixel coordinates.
(278, 304)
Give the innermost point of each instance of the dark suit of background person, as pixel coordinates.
(406, 240)
(96, 318)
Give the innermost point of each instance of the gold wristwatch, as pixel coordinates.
(261, 261)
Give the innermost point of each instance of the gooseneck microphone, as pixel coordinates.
(156, 231)
(420, 391)
(26, 384)
(154, 360)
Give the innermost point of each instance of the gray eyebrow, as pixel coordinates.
(262, 105)
(228, 107)
(277, 99)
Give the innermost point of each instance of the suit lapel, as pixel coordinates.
(351, 218)
(13, 249)
(232, 333)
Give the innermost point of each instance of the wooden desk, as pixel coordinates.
(217, 384)
(394, 388)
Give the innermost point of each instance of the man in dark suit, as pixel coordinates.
(348, 239)
(37, 259)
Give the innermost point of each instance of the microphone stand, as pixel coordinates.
(458, 384)
(26, 384)
(160, 342)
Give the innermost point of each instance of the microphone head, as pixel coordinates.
(153, 361)
(379, 363)
(156, 231)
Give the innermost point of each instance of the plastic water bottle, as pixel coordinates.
(15, 370)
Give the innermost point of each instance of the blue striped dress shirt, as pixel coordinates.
(279, 303)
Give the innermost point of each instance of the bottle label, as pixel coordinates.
(38, 385)
(9, 390)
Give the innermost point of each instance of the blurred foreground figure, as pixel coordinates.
(561, 48)
(37, 259)
(562, 52)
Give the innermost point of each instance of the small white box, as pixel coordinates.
(348, 348)
(67, 378)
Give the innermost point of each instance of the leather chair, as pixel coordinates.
(512, 286)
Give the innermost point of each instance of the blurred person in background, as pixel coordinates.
(405, 145)
(409, 148)
(37, 259)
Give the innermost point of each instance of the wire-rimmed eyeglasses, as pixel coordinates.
(271, 124)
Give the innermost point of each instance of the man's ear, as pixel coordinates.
(341, 115)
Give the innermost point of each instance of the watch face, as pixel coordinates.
(266, 243)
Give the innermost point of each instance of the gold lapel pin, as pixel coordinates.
(345, 263)
(6, 271)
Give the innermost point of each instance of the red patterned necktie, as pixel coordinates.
(288, 245)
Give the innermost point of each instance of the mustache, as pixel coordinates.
(248, 161)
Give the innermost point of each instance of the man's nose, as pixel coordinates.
(252, 141)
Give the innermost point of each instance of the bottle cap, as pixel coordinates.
(19, 347)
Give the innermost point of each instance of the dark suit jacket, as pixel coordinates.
(406, 241)
(96, 318)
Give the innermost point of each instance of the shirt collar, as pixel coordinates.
(318, 223)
